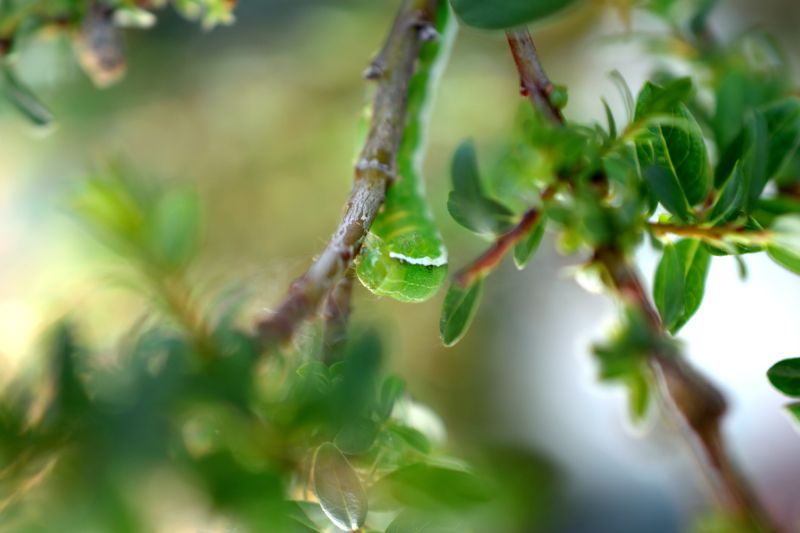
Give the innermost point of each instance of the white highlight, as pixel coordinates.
(421, 261)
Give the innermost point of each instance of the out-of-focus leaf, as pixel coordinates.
(784, 242)
(460, 306)
(783, 126)
(469, 203)
(357, 436)
(425, 486)
(412, 437)
(174, 229)
(411, 521)
(785, 376)
(340, 493)
(498, 14)
(23, 98)
(524, 251)
(391, 390)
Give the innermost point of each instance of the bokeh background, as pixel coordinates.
(261, 118)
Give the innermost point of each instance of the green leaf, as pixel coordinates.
(24, 99)
(391, 390)
(356, 436)
(785, 376)
(784, 242)
(696, 260)
(469, 204)
(667, 190)
(794, 410)
(412, 437)
(525, 249)
(675, 146)
(460, 306)
(499, 14)
(414, 521)
(174, 229)
(338, 488)
(732, 201)
(668, 288)
(783, 126)
(425, 486)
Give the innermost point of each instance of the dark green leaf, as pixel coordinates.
(498, 14)
(731, 203)
(460, 306)
(695, 259)
(469, 203)
(338, 488)
(356, 436)
(668, 288)
(785, 376)
(412, 437)
(794, 410)
(667, 190)
(391, 390)
(676, 147)
(24, 99)
(524, 250)
(783, 126)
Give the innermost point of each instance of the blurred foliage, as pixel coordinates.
(273, 439)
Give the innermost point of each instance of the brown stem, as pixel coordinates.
(492, 257)
(534, 82)
(374, 171)
(336, 313)
(698, 402)
(717, 233)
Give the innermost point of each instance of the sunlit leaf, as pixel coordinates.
(525, 249)
(340, 493)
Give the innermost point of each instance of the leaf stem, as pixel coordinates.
(534, 82)
(374, 171)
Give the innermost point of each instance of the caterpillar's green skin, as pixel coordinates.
(403, 256)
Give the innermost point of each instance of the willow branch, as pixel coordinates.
(335, 314)
(695, 399)
(533, 80)
(374, 171)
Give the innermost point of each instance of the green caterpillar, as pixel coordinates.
(403, 256)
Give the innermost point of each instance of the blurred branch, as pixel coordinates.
(700, 404)
(375, 170)
(336, 313)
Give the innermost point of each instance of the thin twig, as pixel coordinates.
(492, 257)
(336, 313)
(533, 80)
(698, 402)
(374, 171)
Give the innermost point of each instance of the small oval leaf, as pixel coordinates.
(498, 14)
(460, 306)
(340, 493)
(785, 376)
